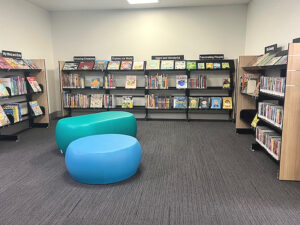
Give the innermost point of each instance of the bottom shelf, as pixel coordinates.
(276, 157)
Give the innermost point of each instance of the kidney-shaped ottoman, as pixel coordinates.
(103, 159)
(113, 122)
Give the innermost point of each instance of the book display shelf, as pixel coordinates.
(156, 93)
(277, 108)
(24, 99)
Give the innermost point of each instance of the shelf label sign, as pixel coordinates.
(122, 58)
(11, 54)
(296, 40)
(167, 57)
(211, 56)
(270, 48)
(84, 58)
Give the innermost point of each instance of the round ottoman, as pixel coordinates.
(103, 159)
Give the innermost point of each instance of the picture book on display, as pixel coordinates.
(100, 65)
(226, 82)
(13, 109)
(216, 103)
(260, 59)
(13, 63)
(282, 60)
(22, 64)
(180, 102)
(204, 102)
(34, 84)
(138, 65)
(180, 65)
(96, 101)
(273, 61)
(217, 65)
(227, 102)
(210, 66)
(95, 83)
(126, 65)
(193, 102)
(4, 65)
(3, 90)
(153, 65)
(30, 64)
(35, 108)
(70, 66)
(191, 65)
(113, 65)
(167, 65)
(225, 65)
(130, 82)
(3, 118)
(86, 65)
(127, 102)
(181, 81)
(201, 66)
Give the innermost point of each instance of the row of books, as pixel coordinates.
(72, 81)
(199, 82)
(76, 100)
(270, 59)
(10, 63)
(109, 81)
(272, 84)
(270, 139)
(157, 81)
(271, 112)
(250, 83)
(17, 85)
(139, 65)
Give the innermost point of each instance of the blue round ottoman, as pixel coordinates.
(103, 159)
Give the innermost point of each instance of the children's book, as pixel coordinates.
(181, 81)
(22, 64)
(191, 65)
(227, 102)
(126, 65)
(226, 82)
(167, 65)
(127, 102)
(273, 61)
(201, 66)
(95, 83)
(130, 82)
(209, 66)
(4, 65)
(193, 103)
(12, 63)
(225, 65)
(138, 65)
(14, 109)
(215, 103)
(180, 102)
(204, 102)
(3, 90)
(30, 64)
(3, 118)
(153, 65)
(86, 65)
(100, 65)
(113, 65)
(34, 84)
(282, 60)
(180, 65)
(71, 66)
(35, 108)
(217, 65)
(96, 101)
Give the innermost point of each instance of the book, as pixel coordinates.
(95, 83)
(198, 82)
(109, 101)
(181, 81)
(3, 118)
(201, 65)
(34, 84)
(113, 65)
(251, 86)
(4, 65)
(272, 112)
(180, 102)
(217, 65)
(227, 102)
(273, 85)
(96, 101)
(35, 108)
(157, 102)
(126, 65)
(225, 65)
(282, 60)
(246, 77)
(72, 81)
(138, 65)
(204, 102)
(226, 82)
(71, 66)
(31, 64)
(3, 90)
(14, 109)
(273, 61)
(100, 65)
(167, 65)
(153, 65)
(193, 102)
(266, 60)
(255, 121)
(191, 65)
(22, 64)
(127, 102)
(75, 100)
(130, 82)
(209, 65)
(16, 84)
(156, 81)
(109, 81)
(89, 65)
(215, 103)
(12, 63)
(260, 59)
(180, 65)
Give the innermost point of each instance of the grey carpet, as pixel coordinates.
(191, 173)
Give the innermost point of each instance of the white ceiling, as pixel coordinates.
(61, 5)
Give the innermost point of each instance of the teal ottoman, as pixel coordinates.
(73, 128)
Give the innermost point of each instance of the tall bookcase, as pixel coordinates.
(11, 131)
(214, 89)
(289, 159)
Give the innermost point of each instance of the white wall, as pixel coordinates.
(270, 22)
(27, 28)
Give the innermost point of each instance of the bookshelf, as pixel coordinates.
(288, 133)
(28, 119)
(214, 89)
